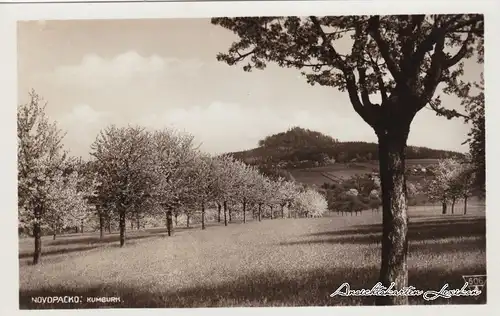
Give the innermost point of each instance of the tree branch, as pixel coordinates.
(459, 55)
(433, 74)
(242, 56)
(334, 56)
(364, 91)
(380, 80)
(425, 46)
(374, 31)
(337, 61)
(445, 112)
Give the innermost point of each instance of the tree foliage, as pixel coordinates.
(474, 106)
(310, 203)
(123, 158)
(396, 56)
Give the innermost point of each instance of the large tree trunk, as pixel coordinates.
(37, 234)
(202, 215)
(187, 220)
(218, 211)
(444, 207)
(225, 213)
(453, 205)
(465, 205)
(122, 228)
(169, 223)
(101, 225)
(176, 215)
(394, 266)
(244, 211)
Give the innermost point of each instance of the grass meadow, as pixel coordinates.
(280, 262)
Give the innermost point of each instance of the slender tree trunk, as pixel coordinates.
(271, 209)
(109, 225)
(169, 223)
(81, 226)
(122, 228)
(37, 234)
(444, 207)
(260, 212)
(282, 211)
(166, 219)
(244, 211)
(453, 206)
(230, 215)
(76, 229)
(187, 220)
(465, 205)
(54, 232)
(138, 223)
(225, 213)
(131, 224)
(176, 215)
(218, 211)
(394, 266)
(202, 215)
(101, 225)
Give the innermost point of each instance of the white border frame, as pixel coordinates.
(36, 10)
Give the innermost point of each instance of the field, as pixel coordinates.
(281, 262)
(334, 172)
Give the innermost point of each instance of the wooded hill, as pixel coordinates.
(303, 148)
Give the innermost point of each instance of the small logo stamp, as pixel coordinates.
(476, 281)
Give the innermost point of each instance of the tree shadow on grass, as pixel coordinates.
(132, 235)
(55, 252)
(417, 231)
(54, 247)
(58, 251)
(97, 240)
(304, 288)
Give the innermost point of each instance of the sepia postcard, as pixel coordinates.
(178, 156)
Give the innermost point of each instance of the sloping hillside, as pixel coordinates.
(341, 171)
(300, 148)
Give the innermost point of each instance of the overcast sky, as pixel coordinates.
(163, 73)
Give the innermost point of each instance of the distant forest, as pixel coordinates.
(302, 148)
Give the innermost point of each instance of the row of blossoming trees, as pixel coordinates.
(454, 180)
(134, 173)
